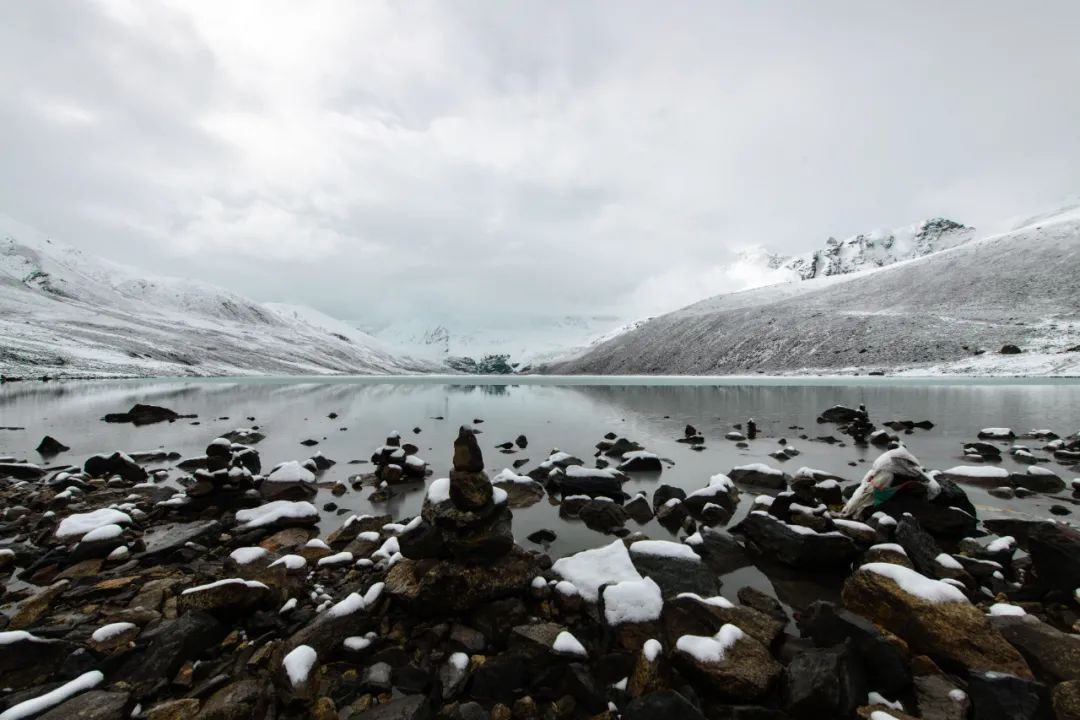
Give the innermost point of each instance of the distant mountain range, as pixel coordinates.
(924, 300)
(64, 312)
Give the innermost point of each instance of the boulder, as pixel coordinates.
(1053, 655)
(661, 705)
(884, 658)
(140, 414)
(730, 663)
(691, 614)
(100, 466)
(1066, 700)
(934, 618)
(470, 491)
(675, 567)
(826, 682)
(227, 597)
(602, 515)
(721, 551)
(51, 446)
(467, 455)
(1055, 555)
(949, 514)
(1000, 696)
(796, 545)
(29, 660)
(436, 587)
(761, 475)
(165, 647)
(93, 705)
(939, 698)
(251, 697)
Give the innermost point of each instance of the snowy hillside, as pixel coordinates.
(66, 313)
(948, 312)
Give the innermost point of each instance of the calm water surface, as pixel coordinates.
(570, 414)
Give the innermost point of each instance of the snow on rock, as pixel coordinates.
(913, 583)
(438, 491)
(1001, 544)
(567, 644)
(632, 601)
(291, 562)
(664, 548)
(948, 562)
(716, 600)
(275, 512)
(978, 472)
(80, 524)
(106, 632)
(341, 558)
(41, 703)
(708, 650)
(298, 664)
(105, 532)
(998, 609)
(589, 569)
(651, 649)
(222, 583)
(291, 472)
(248, 555)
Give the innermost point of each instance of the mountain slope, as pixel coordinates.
(930, 314)
(66, 313)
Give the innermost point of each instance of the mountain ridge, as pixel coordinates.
(946, 312)
(69, 313)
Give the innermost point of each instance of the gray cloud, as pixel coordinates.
(434, 159)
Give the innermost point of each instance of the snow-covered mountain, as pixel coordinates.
(64, 312)
(525, 339)
(873, 249)
(947, 312)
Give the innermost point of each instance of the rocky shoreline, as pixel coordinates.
(126, 597)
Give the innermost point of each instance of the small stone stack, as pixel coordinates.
(462, 517)
(396, 462)
(461, 553)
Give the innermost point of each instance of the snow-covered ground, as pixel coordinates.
(949, 312)
(65, 313)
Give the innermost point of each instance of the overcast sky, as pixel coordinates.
(441, 159)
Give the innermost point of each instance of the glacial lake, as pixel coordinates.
(571, 414)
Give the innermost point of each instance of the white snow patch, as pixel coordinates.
(106, 632)
(80, 524)
(248, 555)
(708, 650)
(298, 664)
(41, 703)
(274, 511)
(589, 569)
(913, 583)
(566, 644)
(632, 601)
(999, 609)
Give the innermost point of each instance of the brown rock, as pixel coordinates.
(174, 710)
(450, 586)
(1066, 698)
(470, 490)
(34, 608)
(242, 700)
(648, 675)
(956, 635)
(467, 455)
(744, 670)
(287, 539)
